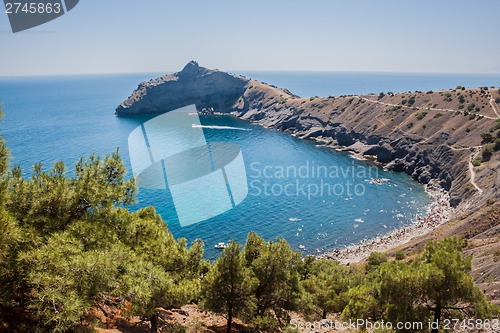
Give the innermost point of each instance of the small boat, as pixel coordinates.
(302, 247)
(221, 245)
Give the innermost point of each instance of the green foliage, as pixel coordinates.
(67, 244)
(409, 125)
(496, 147)
(487, 137)
(487, 153)
(229, 286)
(471, 107)
(438, 115)
(497, 100)
(421, 115)
(435, 286)
(400, 255)
(375, 259)
(276, 267)
(326, 287)
(476, 162)
(281, 100)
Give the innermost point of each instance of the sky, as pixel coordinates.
(121, 36)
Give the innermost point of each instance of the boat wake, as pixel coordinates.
(220, 127)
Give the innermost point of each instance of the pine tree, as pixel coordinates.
(229, 285)
(447, 287)
(327, 285)
(276, 268)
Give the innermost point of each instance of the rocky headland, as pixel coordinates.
(444, 138)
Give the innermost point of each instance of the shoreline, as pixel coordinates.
(438, 212)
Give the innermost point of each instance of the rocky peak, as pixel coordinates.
(192, 69)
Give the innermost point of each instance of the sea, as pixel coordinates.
(316, 198)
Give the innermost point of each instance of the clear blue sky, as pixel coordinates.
(109, 36)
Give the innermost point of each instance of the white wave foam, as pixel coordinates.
(220, 127)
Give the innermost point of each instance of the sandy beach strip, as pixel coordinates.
(438, 212)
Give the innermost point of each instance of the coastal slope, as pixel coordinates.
(432, 136)
(446, 138)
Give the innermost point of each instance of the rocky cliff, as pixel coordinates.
(432, 136)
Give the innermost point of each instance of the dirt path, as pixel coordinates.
(420, 108)
(493, 104)
(472, 171)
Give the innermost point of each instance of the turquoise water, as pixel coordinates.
(63, 118)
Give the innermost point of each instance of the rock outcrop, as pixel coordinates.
(431, 136)
(206, 88)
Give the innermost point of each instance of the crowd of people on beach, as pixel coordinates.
(438, 212)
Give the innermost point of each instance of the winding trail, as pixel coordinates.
(426, 109)
(475, 149)
(474, 154)
(493, 104)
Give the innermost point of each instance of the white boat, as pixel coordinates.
(302, 247)
(221, 245)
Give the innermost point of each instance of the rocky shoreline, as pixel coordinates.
(430, 136)
(438, 212)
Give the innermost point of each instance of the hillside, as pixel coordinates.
(445, 137)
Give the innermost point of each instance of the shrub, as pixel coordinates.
(476, 163)
(375, 259)
(421, 115)
(381, 95)
(487, 137)
(400, 255)
(497, 100)
(281, 100)
(471, 106)
(403, 101)
(487, 152)
(438, 115)
(496, 147)
(409, 125)
(411, 101)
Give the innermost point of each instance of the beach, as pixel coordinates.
(437, 213)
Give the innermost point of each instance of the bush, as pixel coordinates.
(497, 100)
(409, 125)
(471, 107)
(476, 163)
(381, 95)
(487, 152)
(487, 137)
(496, 147)
(400, 255)
(375, 259)
(403, 101)
(421, 115)
(438, 115)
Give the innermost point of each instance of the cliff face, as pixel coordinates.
(206, 88)
(432, 136)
